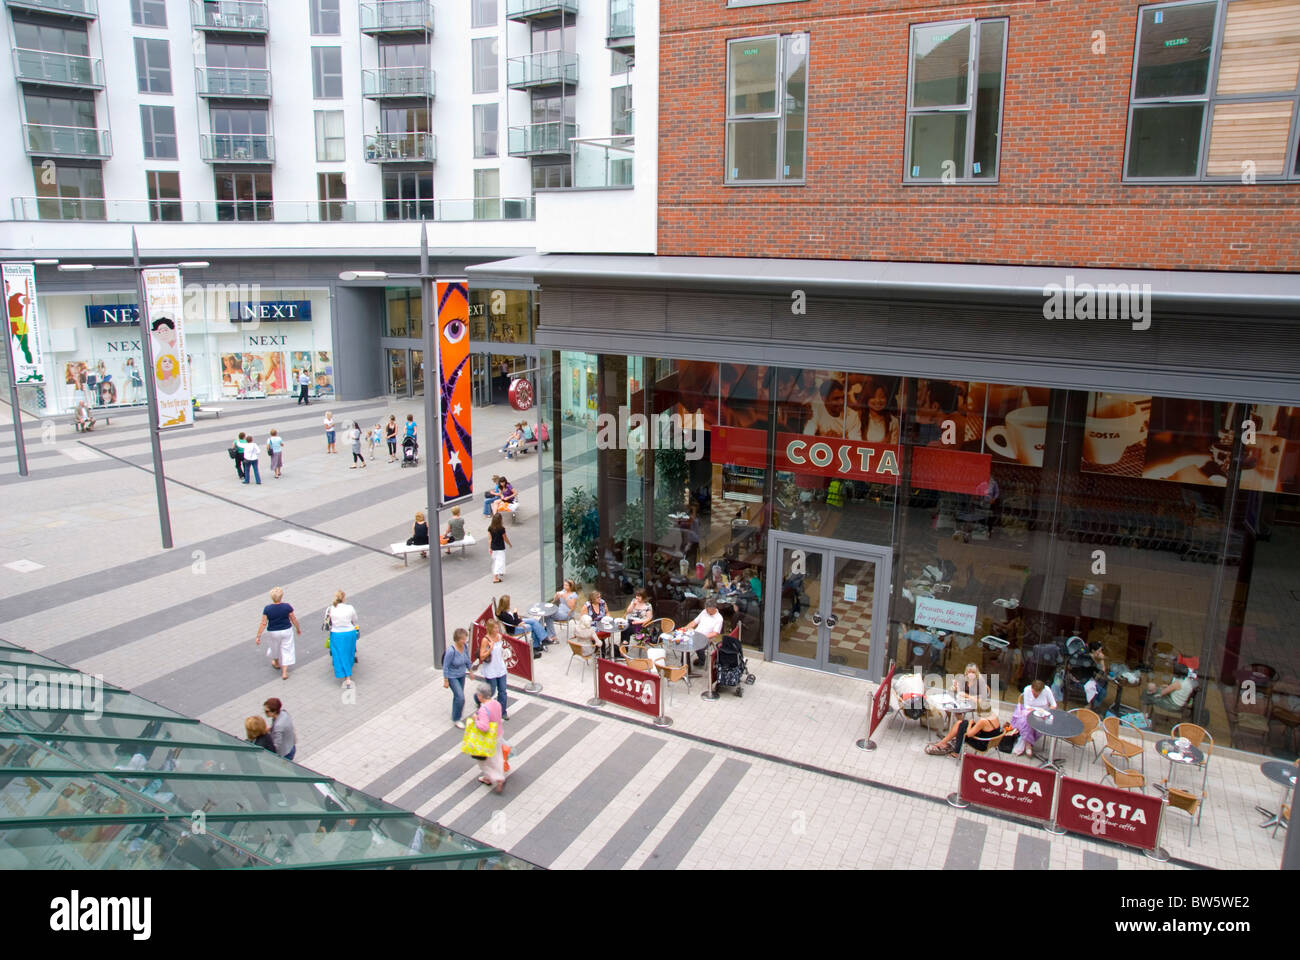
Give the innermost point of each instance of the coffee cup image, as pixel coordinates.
(1111, 428)
(1022, 437)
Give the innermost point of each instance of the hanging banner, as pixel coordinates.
(171, 374)
(452, 345)
(24, 326)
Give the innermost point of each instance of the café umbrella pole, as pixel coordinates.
(151, 396)
(433, 457)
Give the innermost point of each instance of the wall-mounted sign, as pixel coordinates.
(112, 314)
(271, 311)
(946, 615)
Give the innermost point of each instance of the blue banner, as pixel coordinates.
(269, 311)
(112, 314)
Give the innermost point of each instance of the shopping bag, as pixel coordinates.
(477, 743)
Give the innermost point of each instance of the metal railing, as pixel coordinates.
(397, 15)
(622, 20)
(229, 15)
(533, 139)
(526, 9)
(44, 66)
(237, 147)
(397, 82)
(603, 162)
(281, 211)
(49, 139)
(396, 147)
(233, 81)
(80, 7)
(535, 69)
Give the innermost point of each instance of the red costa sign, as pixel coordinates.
(518, 653)
(1005, 785)
(1096, 810)
(521, 394)
(880, 703)
(633, 689)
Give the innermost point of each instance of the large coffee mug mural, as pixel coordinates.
(1021, 437)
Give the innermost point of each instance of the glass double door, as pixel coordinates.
(828, 604)
(405, 372)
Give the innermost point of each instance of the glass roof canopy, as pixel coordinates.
(96, 778)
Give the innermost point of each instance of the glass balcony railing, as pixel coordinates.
(397, 82)
(540, 69)
(401, 147)
(249, 16)
(70, 69)
(280, 211)
(76, 8)
(45, 139)
(537, 139)
(621, 21)
(397, 16)
(233, 82)
(603, 162)
(533, 9)
(237, 148)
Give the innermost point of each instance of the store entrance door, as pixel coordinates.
(827, 604)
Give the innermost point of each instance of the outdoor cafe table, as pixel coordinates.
(1057, 724)
(1283, 774)
(1175, 753)
(543, 609)
(698, 642)
(952, 707)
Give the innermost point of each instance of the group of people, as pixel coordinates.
(491, 700)
(373, 437)
(273, 730)
(247, 454)
(522, 436)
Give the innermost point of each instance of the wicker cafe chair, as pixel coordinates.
(637, 663)
(1081, 743)
(673, 675)
(1120, 747)
(1190, 804)
(1124, 779)
(1200, 738)
(986, 744)
(586, 652)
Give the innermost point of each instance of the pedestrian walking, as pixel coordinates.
(341, 621)
(355, 436)
(279, 623)
(275, 447)
(390, 434)
(376, 433)
(499, 541)
(492, 657)
(411, 427)
(256, 731)
(329, 433)
(494, 764)
(252, 453)
(283, 737)
(304, 383)
(237, 449)
(455, 664)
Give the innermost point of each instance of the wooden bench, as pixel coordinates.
(404, 550)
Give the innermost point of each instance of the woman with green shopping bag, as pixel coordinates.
(483, 740)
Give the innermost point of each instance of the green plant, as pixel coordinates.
(580, 524)
(629, 532)
(671, 475)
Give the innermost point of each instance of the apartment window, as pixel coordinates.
(77, 193)
(149, 13)
(241, 56)
(767, 106)
(331, 144)
(484, 62)
(620, 111)
(240, 134)
(243, 196)
(619, 63)
(408, 195)
(164, 194)
(485, 130)
(153, 69)
(552, 176)
(332, 191)
(487, 194)
(405, 55)
(327, 73)
(59, 111)
(1215, 92)
(325, 18)
(39, 36)
(483, 13)
(954, 101)
(158, 124)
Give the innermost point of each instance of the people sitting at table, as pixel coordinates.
(708, 623)
(566, 603)
(597, 610)
(455, 529)
(515, 623)
(419, 533)
(639, 614)
(490, 494)
(1036, 696)
(962, 730)
(972, 686)
(1174, 696)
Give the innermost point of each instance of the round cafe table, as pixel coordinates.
(1057, 724)
(543, 609)
(698, 642)
(951, 706)
(1188, 756)
(1283, 774)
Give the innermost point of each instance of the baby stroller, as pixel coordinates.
(732, 667)
(410, 452)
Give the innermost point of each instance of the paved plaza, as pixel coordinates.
(773, 779)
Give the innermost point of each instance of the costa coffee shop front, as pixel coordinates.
(920, 460)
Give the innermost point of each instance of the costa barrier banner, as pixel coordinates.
(880, 701)
(1008, 786)
(24, 323)
(519, 656)
(171, 374)
(632, 689)
(1097, 810)
(453, 376)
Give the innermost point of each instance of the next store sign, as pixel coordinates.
(243, 311)
(111, 314)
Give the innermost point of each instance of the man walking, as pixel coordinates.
(251, 455)
(239, 455)
(304, 381)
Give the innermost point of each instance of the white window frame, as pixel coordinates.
(778, 113)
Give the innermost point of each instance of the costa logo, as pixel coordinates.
(638, 688)
(1108, 809)
(819, 454)
(1030, 788)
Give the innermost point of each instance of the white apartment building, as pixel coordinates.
(286, 141)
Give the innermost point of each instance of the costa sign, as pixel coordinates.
(1008, 786)
(1097, 810)
(521, 394)
(624, 687)
(880, 702)
(519, 656)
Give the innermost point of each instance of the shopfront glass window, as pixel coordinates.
(501, 316)
(402, 316)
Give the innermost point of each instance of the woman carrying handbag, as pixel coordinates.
(483, 740)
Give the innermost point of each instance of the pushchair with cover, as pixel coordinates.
(733, 670)
(410, 452)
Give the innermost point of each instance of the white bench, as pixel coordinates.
(215, 411)
(510, 508)
(404, 550)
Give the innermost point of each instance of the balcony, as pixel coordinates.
(397, 16)
(603, 163)
(46, 140)
(622, 26)
(397, 82)
(281, 211)
(58, 69)
(237, 148)
(244, 83)
(550, 138)
(81, 9)
(553, 67)
(401, 148)
(230, 16)
(525, 10)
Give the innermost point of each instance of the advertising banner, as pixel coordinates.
(1008, 786)
(625, 687)
(24, 325)
(452, 332)
(880, 702)
(1096, 810)
(164, 314)
(519, 656)
(957, 617)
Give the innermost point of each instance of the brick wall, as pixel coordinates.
(1060, 199)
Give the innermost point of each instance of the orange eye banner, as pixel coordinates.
(453, 378)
